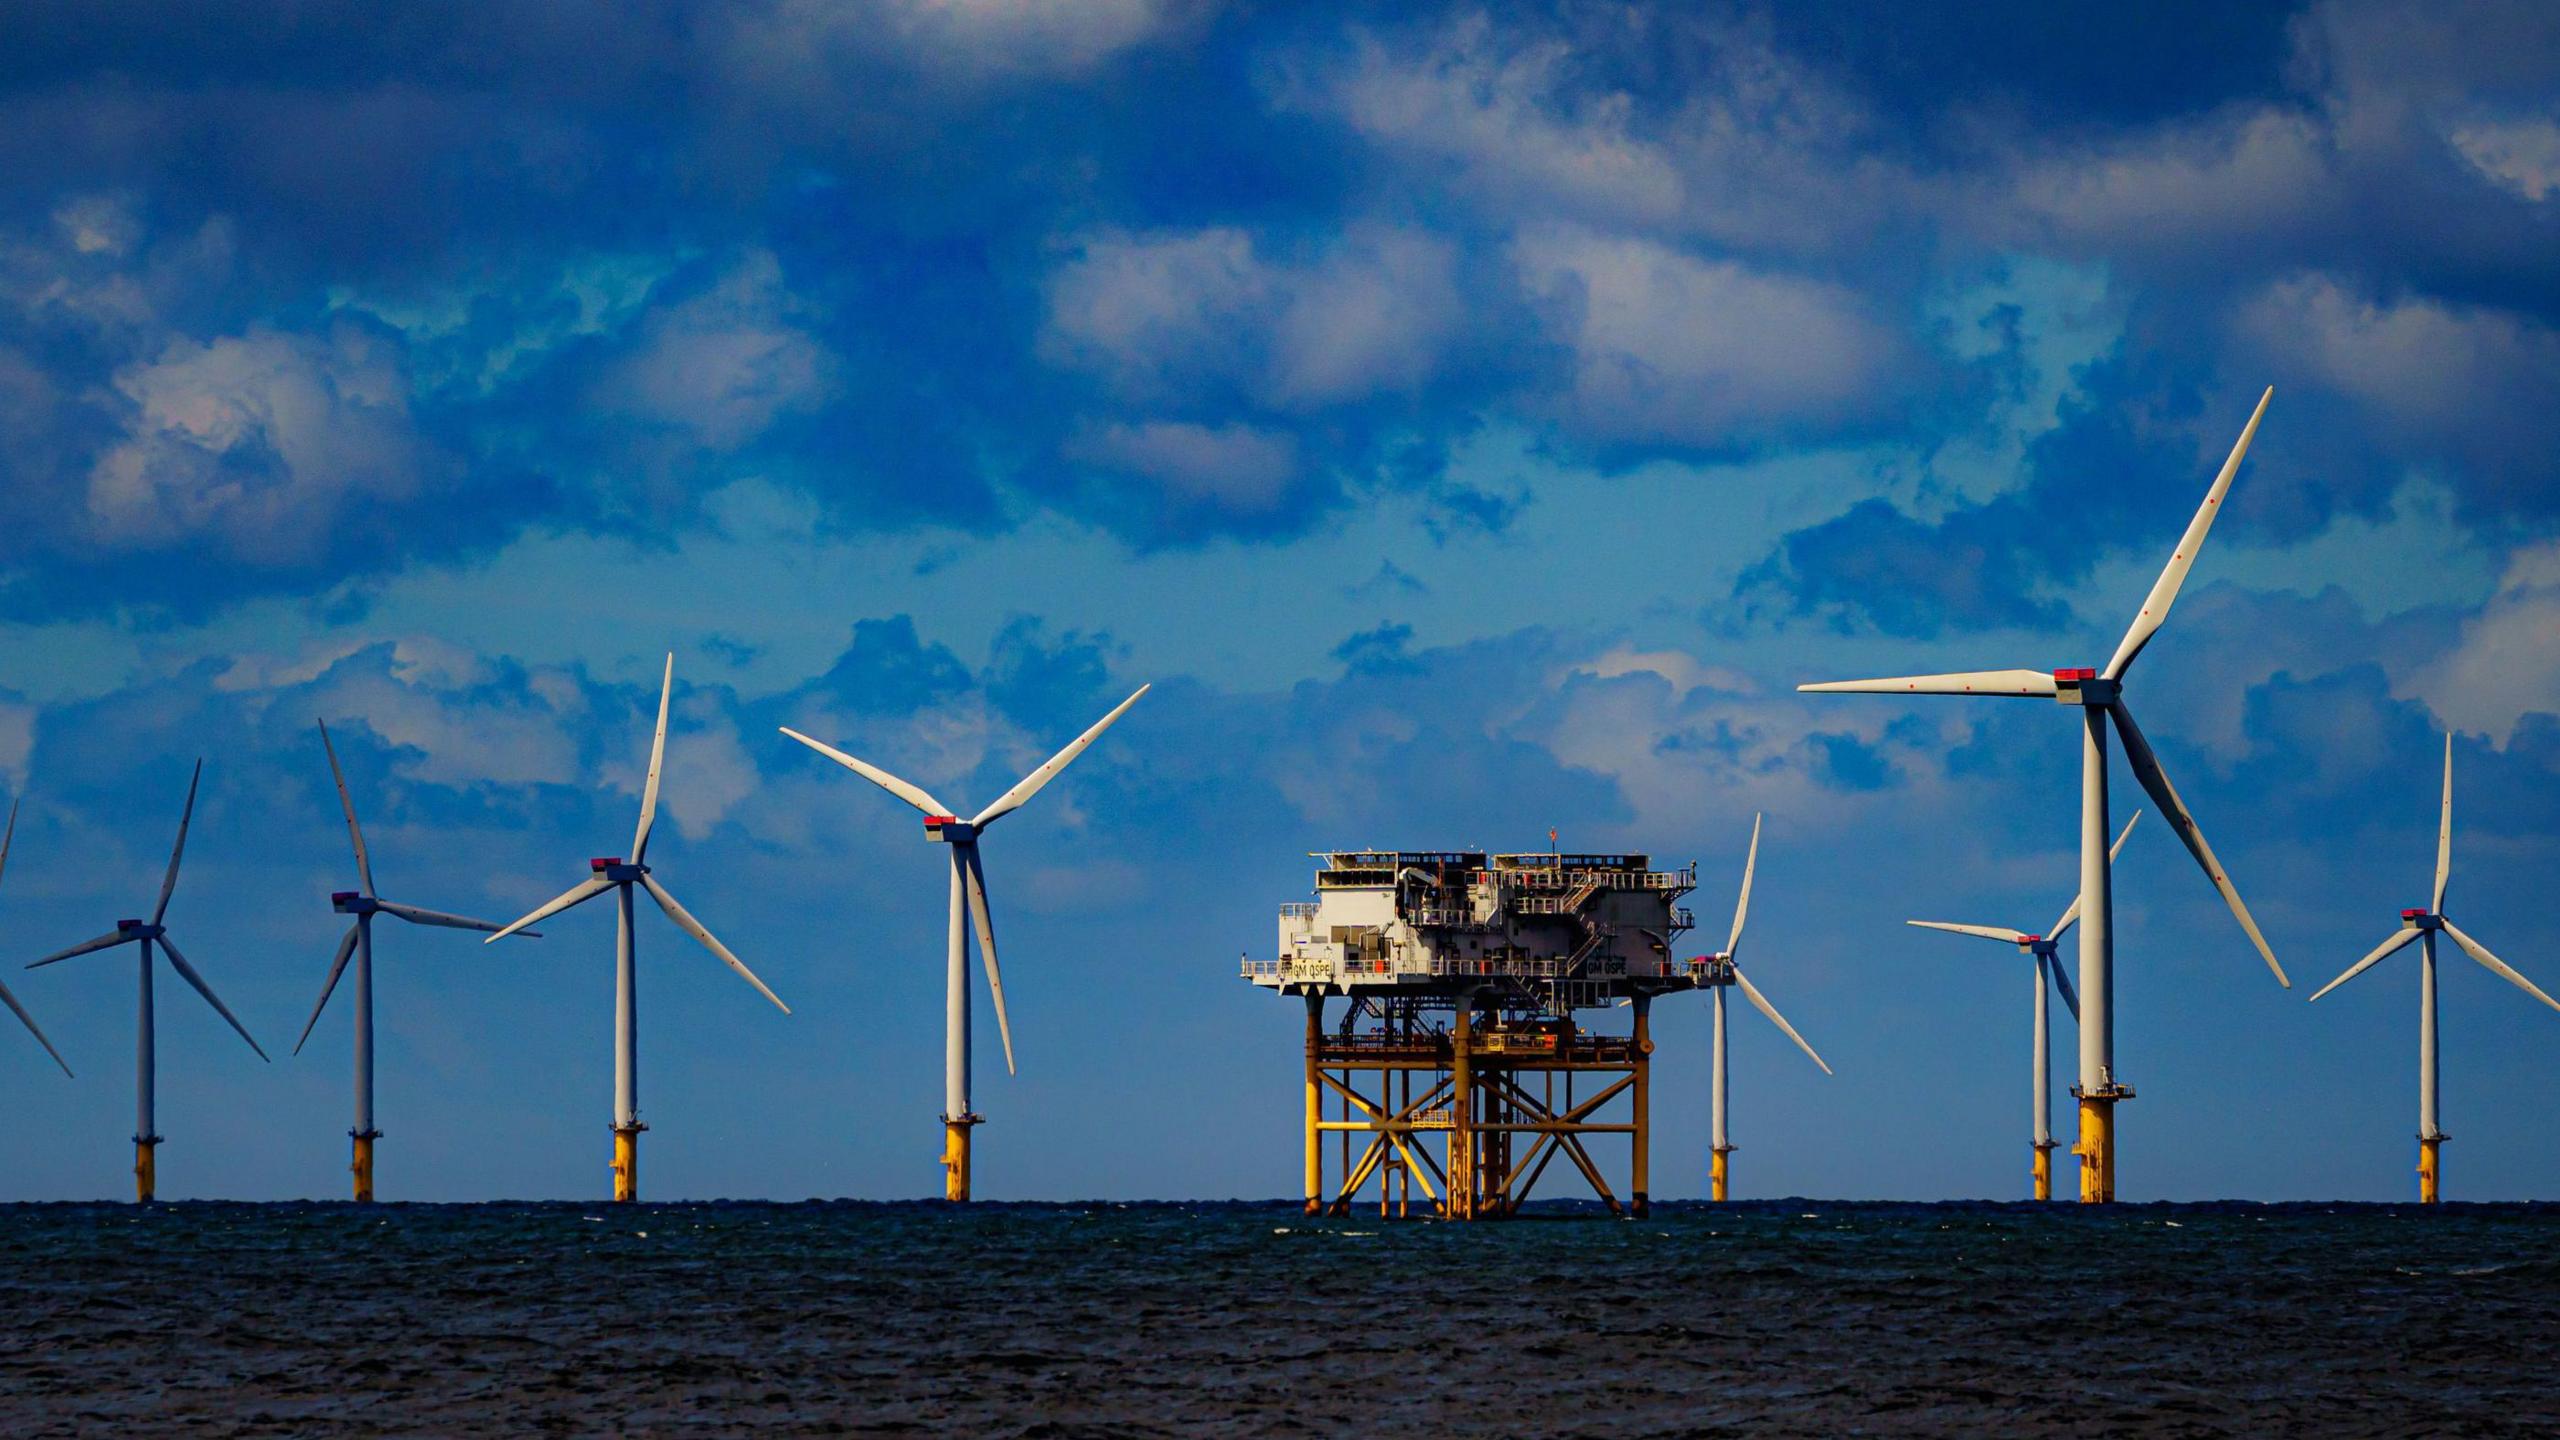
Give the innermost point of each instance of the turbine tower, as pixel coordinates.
(968, 908)
(619, 876)
(1722, 974)
(2421, 926)
(6, 998)
(363, 904)
(2045, 951)
(147, 934)
(2099, 694)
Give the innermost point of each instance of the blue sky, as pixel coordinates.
(1471, 421)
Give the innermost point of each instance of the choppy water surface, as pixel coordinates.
(1794, 1319)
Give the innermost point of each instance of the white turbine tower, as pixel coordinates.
(2421, 926)
(2044, 950)
(2099, 694)
(5, 997)
(363, 904)
(968, 908)
(148, 933)
(619, 876)
(1722, 973)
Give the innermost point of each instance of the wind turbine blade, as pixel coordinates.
(1752, 992)
(2164, 591)
(107, 941)
(2061, 984)
(912, 794)
(2146, 768)
(1029, 785)
(30, 1022)
(1966, 682)
(169, 883)
(578, 894)
(657, 761)
(9, 837)
(2399, 937)
(1987, 932)
(2071, 913)
(2444, 830)
(329, 987)
(355, 832)
(685, 922)
(416, 916)
(2501, 968)
(974, 881)
(188, 973)
(1742, 905)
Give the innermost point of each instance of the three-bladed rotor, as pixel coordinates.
(1725, 958)
(2044, 949)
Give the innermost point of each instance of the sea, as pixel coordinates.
(1792, 1318)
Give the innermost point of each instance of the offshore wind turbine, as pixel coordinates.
(619, 876)
(6, 838)
(2044, 950)
(364, 904)
(2421, 926)
(968, 908)
(147, 934)
(1722, 974)
(2099, 695)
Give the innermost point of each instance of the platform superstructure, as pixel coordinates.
(1462, 980)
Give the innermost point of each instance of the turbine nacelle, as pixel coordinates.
(2084, 686)
(2040, 945)
(612, 868)
(353, 902)
(949, 829)
(2421, 919)
(139, 929)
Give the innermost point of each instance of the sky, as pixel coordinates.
(1471, 421)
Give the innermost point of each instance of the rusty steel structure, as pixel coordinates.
(1457, 1062)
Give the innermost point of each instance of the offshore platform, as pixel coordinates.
(1465, 977)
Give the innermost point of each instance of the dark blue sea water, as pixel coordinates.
(1796, 1318)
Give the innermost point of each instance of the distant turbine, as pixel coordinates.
(146, 934)
(364, 904)
(2422, 925)
(615, 875)
(2043, 949)
(968, 907)
(2100, 696)
(1723, 973)
(5, 997)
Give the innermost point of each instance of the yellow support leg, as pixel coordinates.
(146, 1175)
(2044, 1169)
(2428, 1175)
(1716, 1173)
(363, 1169)
(955, 1159)
(2097, 1150)
(626, 1163)
(1315, 1107)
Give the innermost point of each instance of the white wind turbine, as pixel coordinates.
(363, 904)
(968, 908)
(5, 997)
(619, 876)
(2044, 950)
(1722, 973)
(2422, 925)
(148, 933)
(2099, 695)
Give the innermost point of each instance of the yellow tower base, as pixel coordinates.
(1716, 1172)
(955, 1158)
(146, 1174)
(2097, 1149)
(626, 1162)
(2428, 1174)
(363, 1168)
(2044, 1169)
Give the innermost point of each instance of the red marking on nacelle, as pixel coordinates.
(936, 822)
(2081, 673)
(342, 894)
(604, 861)
(2029, 939)
(2413, 914)
(128, 924)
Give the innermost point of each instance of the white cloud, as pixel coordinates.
(263, 441)
(2507, 663)
(1236, 468)
(1668, 346)
(2425, 367)
(725, 364)
(2523, 155)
